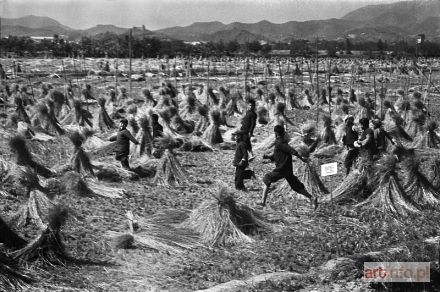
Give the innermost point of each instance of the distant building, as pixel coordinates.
(420, 38)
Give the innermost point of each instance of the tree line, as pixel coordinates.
(117, 46)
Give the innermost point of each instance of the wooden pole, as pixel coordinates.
(317, 86)
(329, 89)
(130, 35)
(281, 78)
(375, 94)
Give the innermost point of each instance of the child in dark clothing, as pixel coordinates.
(241, 160)
(123, 139)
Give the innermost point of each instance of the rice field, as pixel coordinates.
(300, 241)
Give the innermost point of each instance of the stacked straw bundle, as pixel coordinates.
(221, 221)
(169, 171)
(212, 134)
(158, 232)
(389, 197)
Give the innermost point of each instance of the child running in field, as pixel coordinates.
(282, 156)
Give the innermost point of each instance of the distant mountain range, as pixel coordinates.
(399, 20)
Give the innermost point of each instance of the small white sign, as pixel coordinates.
(329, 169)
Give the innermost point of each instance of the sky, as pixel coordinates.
(157, 14)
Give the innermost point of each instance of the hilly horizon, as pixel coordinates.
(390, 22)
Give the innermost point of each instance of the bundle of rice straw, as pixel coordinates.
(78, 116)
(323, 97)
(11, 278)
(87, 92)
(232, 105)
(203, 121)
(59, 100)
(35, 210)
(24, 157)
(9, 238)
(104, 120)
(224, 96)
(112, 172)
(49, 246)
(292, 99)
(145, 138)
(21, 180)
(396, 130)
(354, 186)
(404, 108)
(195, 144)
(169, 171)
(353, 97)
(158, 232)
(280, 117)
(430, 138)
(364, 109)
(434, 173)
(415, 126)
(72, 183)
(212, 98)
(99, 189)
(212, 134)
(279, 93)
(389, 197)
(309, 97)
(327, 134)
(133, 126)
(189, 106)
(418, 188)
(182, 126)
(262, 114)
(149, 100)
(306, 174)
(50, 123)
(221, 221)
(20, 111)
(80, 161)
(327, 153)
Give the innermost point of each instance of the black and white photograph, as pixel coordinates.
(220, 145)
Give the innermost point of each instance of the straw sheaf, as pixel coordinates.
(418, 104)
(166, 142)
(362, 102)
(101, 101)
(215, 117)
(345, 109)
(405, 106)
(327, 121)
(431, 126)
(388, 104)
(167, 113)
(417, 95)
(132, 109)
(203, 110)
(213, 96)
(261, 111)
(303, 150)
(133, 124)
(77, 139)
(308, 129)
(280, 107)
(146, 92)
(144, 122)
